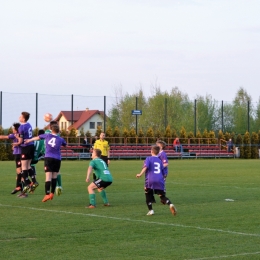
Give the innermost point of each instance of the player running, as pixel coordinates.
(154, 180)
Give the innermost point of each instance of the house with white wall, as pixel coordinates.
(88, 120)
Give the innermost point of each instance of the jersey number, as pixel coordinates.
(157, 168)
(52, 142)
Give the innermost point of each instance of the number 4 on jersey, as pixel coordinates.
(52, 142)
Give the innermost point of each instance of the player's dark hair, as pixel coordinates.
(26, 116)
(155, 149)
(98, 152)
(162, 143)
(55, 129)
(16, 126)
(53, 123)
(41, 132)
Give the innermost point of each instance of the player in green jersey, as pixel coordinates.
(39, 150)
(104, 178)
(58, 189)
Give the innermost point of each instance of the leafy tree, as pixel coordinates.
(239, 144)
(167, 134)
(88, 134)
(207, 116)
(191, 138)
(109, 134)
(246, 146)
(3, 153)
(240, 108)
(125, 134)
(183, 136)
(98, 131)
(212, 137)
(72, 136)
(141, 139)
(150, 135)
(81, 132)
(254, 145)
(132, 136)
(198, 138)
(205, 137)
(116, 134)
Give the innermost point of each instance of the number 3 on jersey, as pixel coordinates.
(52, 142)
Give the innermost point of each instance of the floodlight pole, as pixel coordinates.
(36, 110)
(104, 113)
(1, 107)
(136, 100)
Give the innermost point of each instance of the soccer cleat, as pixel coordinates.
(91, 206)
(106, 204)
(26, 189)
(17, 189)
(58, 190)
(150, 213)
(173, 209)
(46, 197)
(33, 186)
(22, 195)
(51, 196)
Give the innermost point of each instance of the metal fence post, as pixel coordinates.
(36, 111)
(1, 107)
(72, 109)
(222, 116)
(248, 118)
(165, 113)
(195, 117)
(104, 113)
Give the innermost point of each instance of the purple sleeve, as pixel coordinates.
(11, 136)
(43, 136)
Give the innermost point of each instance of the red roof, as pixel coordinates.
(79, 117)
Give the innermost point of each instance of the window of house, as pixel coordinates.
(99, 124)
(65, 127)
(91, 125)
(62, 126)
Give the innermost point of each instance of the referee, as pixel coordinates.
(103, 145)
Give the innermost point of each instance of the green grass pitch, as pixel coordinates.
(206, 226)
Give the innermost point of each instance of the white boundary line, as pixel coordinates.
(136, 220)
(224, 256)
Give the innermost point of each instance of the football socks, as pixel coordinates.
(103, 195)
(92, 199)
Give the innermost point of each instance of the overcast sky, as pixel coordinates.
(91, 48)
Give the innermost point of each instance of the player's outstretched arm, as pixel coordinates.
(36, 138)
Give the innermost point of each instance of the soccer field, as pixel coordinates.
(206, 226)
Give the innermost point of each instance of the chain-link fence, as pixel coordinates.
(194, 115)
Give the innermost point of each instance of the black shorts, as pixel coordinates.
(158, 192)
(27, 152)
(17, 159)
(51, 165)
(102, 184)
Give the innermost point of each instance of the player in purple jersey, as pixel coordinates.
(162, 155)
(154, 180)
(27, 150)
(17, 156)
(52, 159)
